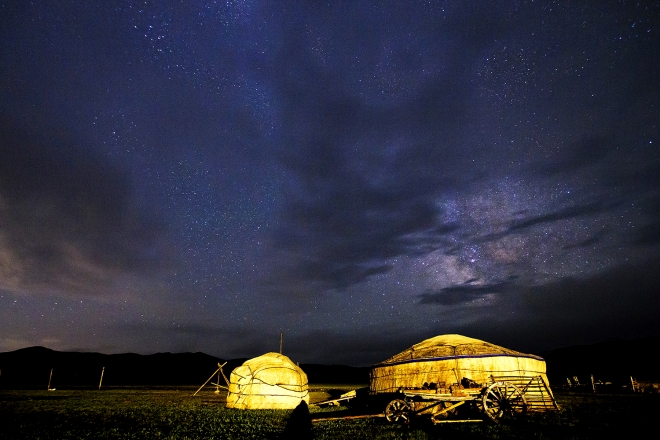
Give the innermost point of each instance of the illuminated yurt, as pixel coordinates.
(270, 381)
(442, 361)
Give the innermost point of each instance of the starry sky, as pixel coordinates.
(202, 175)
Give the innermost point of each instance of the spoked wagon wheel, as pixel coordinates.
(503, 399)
(398, 411)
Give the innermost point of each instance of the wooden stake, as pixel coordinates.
(281, 337)
(50, 378)
(101, 381)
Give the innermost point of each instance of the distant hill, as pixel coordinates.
(30, 368)
(612, 360)
(336, 374)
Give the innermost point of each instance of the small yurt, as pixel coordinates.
(270, 381)
(442, 361)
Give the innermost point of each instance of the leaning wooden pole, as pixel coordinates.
(101, 381)
(49, 379)
(200, 388)
(361, 416)
(593, 384)
(223, 373)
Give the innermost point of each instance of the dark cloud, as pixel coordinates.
(348, 234)
(368, 172)
(339, 347)
(225, 341)
(591, 241)
(648, 234)
(68, 219)
(467, 292)
(386, 149)
(568, 212)
(621, 290)
(587, 151)
(617, 302)
(355, 208)
(575, 211)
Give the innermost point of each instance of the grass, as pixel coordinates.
(175, 414)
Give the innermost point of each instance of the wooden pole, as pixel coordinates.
(593, 384)
(223, 373)
(101, 381)
(281, 337)
(207, 381)
(362, 416)
(50, 378)
(458, 381)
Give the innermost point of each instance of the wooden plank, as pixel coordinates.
(361, 416)
(332, 401)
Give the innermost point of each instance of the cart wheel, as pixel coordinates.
(503, 399)
(398, 411)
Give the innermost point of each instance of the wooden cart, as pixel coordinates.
(506, 398)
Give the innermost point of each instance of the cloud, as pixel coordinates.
(587, 151)
(360, 346)
(593, 240)
(463, 293)
(349, 211)
(68, 220)
(519, 226)
(648, 234)
(618, 291)
(225, 341)
(568, 212)
(363, 346)
(366, 164)
(618, 302)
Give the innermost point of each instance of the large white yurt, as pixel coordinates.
(445, 360)
(270, 381)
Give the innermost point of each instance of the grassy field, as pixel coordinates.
(175, 414)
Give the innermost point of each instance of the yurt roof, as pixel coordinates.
(271, 364)
(450, 347)
(270, 359)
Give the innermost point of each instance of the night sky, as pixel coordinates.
(199, 175)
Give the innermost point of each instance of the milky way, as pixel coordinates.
(201, 176)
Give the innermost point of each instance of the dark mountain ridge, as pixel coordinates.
(30, 368)
(612, 360)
